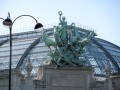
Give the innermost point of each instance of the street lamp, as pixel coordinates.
(8, 22)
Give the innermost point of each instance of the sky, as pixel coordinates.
(102, 15)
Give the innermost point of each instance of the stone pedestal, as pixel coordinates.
(68, 78)
(108, 84)
(28, 84)
(51, 78)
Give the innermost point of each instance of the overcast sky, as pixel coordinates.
(102, 15)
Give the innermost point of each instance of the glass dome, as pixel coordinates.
(28, 46)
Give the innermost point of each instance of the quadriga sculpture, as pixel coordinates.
(67, 44)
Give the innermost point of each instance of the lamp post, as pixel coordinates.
(8, 22)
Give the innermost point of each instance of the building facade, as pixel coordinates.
(28, 48)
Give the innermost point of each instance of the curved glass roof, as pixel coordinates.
(28, 45)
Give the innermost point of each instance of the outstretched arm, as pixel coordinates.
(60, 13)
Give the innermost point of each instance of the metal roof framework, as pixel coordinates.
(28, 44)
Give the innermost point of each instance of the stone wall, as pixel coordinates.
(50, 78)
(116, 82)
(68, 78)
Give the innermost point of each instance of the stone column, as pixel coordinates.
(40, 73)
(28, 80)
(108, 82)
(15, 81)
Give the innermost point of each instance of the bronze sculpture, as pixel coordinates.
(67, 44)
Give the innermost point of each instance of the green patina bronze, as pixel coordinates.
(67, 44)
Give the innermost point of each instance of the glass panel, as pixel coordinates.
(118, 64)
(14, 52)
(98, 71)
(6, 49)
(113, 49)
(103, 42)
(40, 49)
(93, 62)
(114, 53)
(5, 60)
(117, 58)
